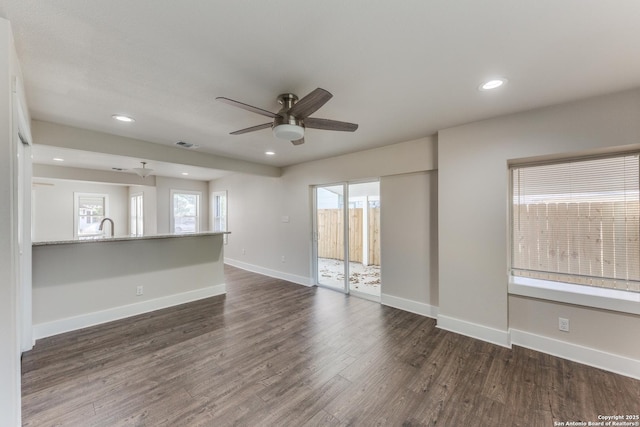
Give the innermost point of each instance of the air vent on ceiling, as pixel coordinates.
(187, 145)
(119, 169)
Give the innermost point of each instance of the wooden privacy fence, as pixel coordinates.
(590, 243)
(331, 234)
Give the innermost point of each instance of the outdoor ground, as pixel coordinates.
(365, 279)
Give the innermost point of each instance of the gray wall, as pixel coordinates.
(473, 224)
(74, 287)
(457, 203)
(409, 241)
(259, 238)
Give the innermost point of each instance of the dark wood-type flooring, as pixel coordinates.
(272, 353)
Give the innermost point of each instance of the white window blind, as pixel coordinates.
(578, 222)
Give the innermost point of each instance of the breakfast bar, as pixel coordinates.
(79, 283)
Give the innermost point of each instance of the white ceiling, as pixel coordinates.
(401, 69)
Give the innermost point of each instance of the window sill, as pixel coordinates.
(608, 299)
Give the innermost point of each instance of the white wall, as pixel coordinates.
(164, 186)
(53, 200)
(53, 214)
(256, 206)
(473, 225)
(10, 310)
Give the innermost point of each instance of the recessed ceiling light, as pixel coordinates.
(269, 153)
(492, 84)
(58, 159)
(185, 173)
(122, 118)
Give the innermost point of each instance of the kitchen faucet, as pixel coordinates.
(102, 224)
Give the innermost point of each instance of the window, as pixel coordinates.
(219, 212)
(136, 217)
(90, 209)
(185, 211)
(577, 222)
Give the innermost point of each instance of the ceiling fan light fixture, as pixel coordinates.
(289, 123)
(288, 132)
(143, 171)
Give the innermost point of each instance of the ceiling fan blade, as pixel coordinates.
(310, 103)
(327, 124)
(298, 141)
(247, 107)
(251, 129)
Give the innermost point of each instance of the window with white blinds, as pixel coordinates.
(578, 221)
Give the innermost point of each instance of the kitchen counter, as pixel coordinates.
(126, 238)
(80, 283)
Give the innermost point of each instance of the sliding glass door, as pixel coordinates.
(346, 238)
(331, 268)
(364, 239)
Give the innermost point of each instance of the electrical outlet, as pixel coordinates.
(139, 290)
(282, 259)
(563, 324)
(244, 251)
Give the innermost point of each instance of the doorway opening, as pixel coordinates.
(347, 238)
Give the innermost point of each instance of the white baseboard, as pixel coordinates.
(473, 330)
(577, 353)
(365, 295)
(300, 280)
(60, 326)
(410, 306)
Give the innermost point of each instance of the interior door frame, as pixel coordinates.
(21, 149)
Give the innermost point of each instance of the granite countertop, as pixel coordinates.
(129, 238)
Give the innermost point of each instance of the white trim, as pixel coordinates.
(139, 209)
(577, 353)
(214, 197)
(198, 217)
(473, 330)
(300, 280)
(589, 296)
(364, 295)
(410, 306)
(55, 327)
(77, 195)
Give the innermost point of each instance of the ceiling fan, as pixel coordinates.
(289, 123)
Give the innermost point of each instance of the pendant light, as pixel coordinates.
(143, 171)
